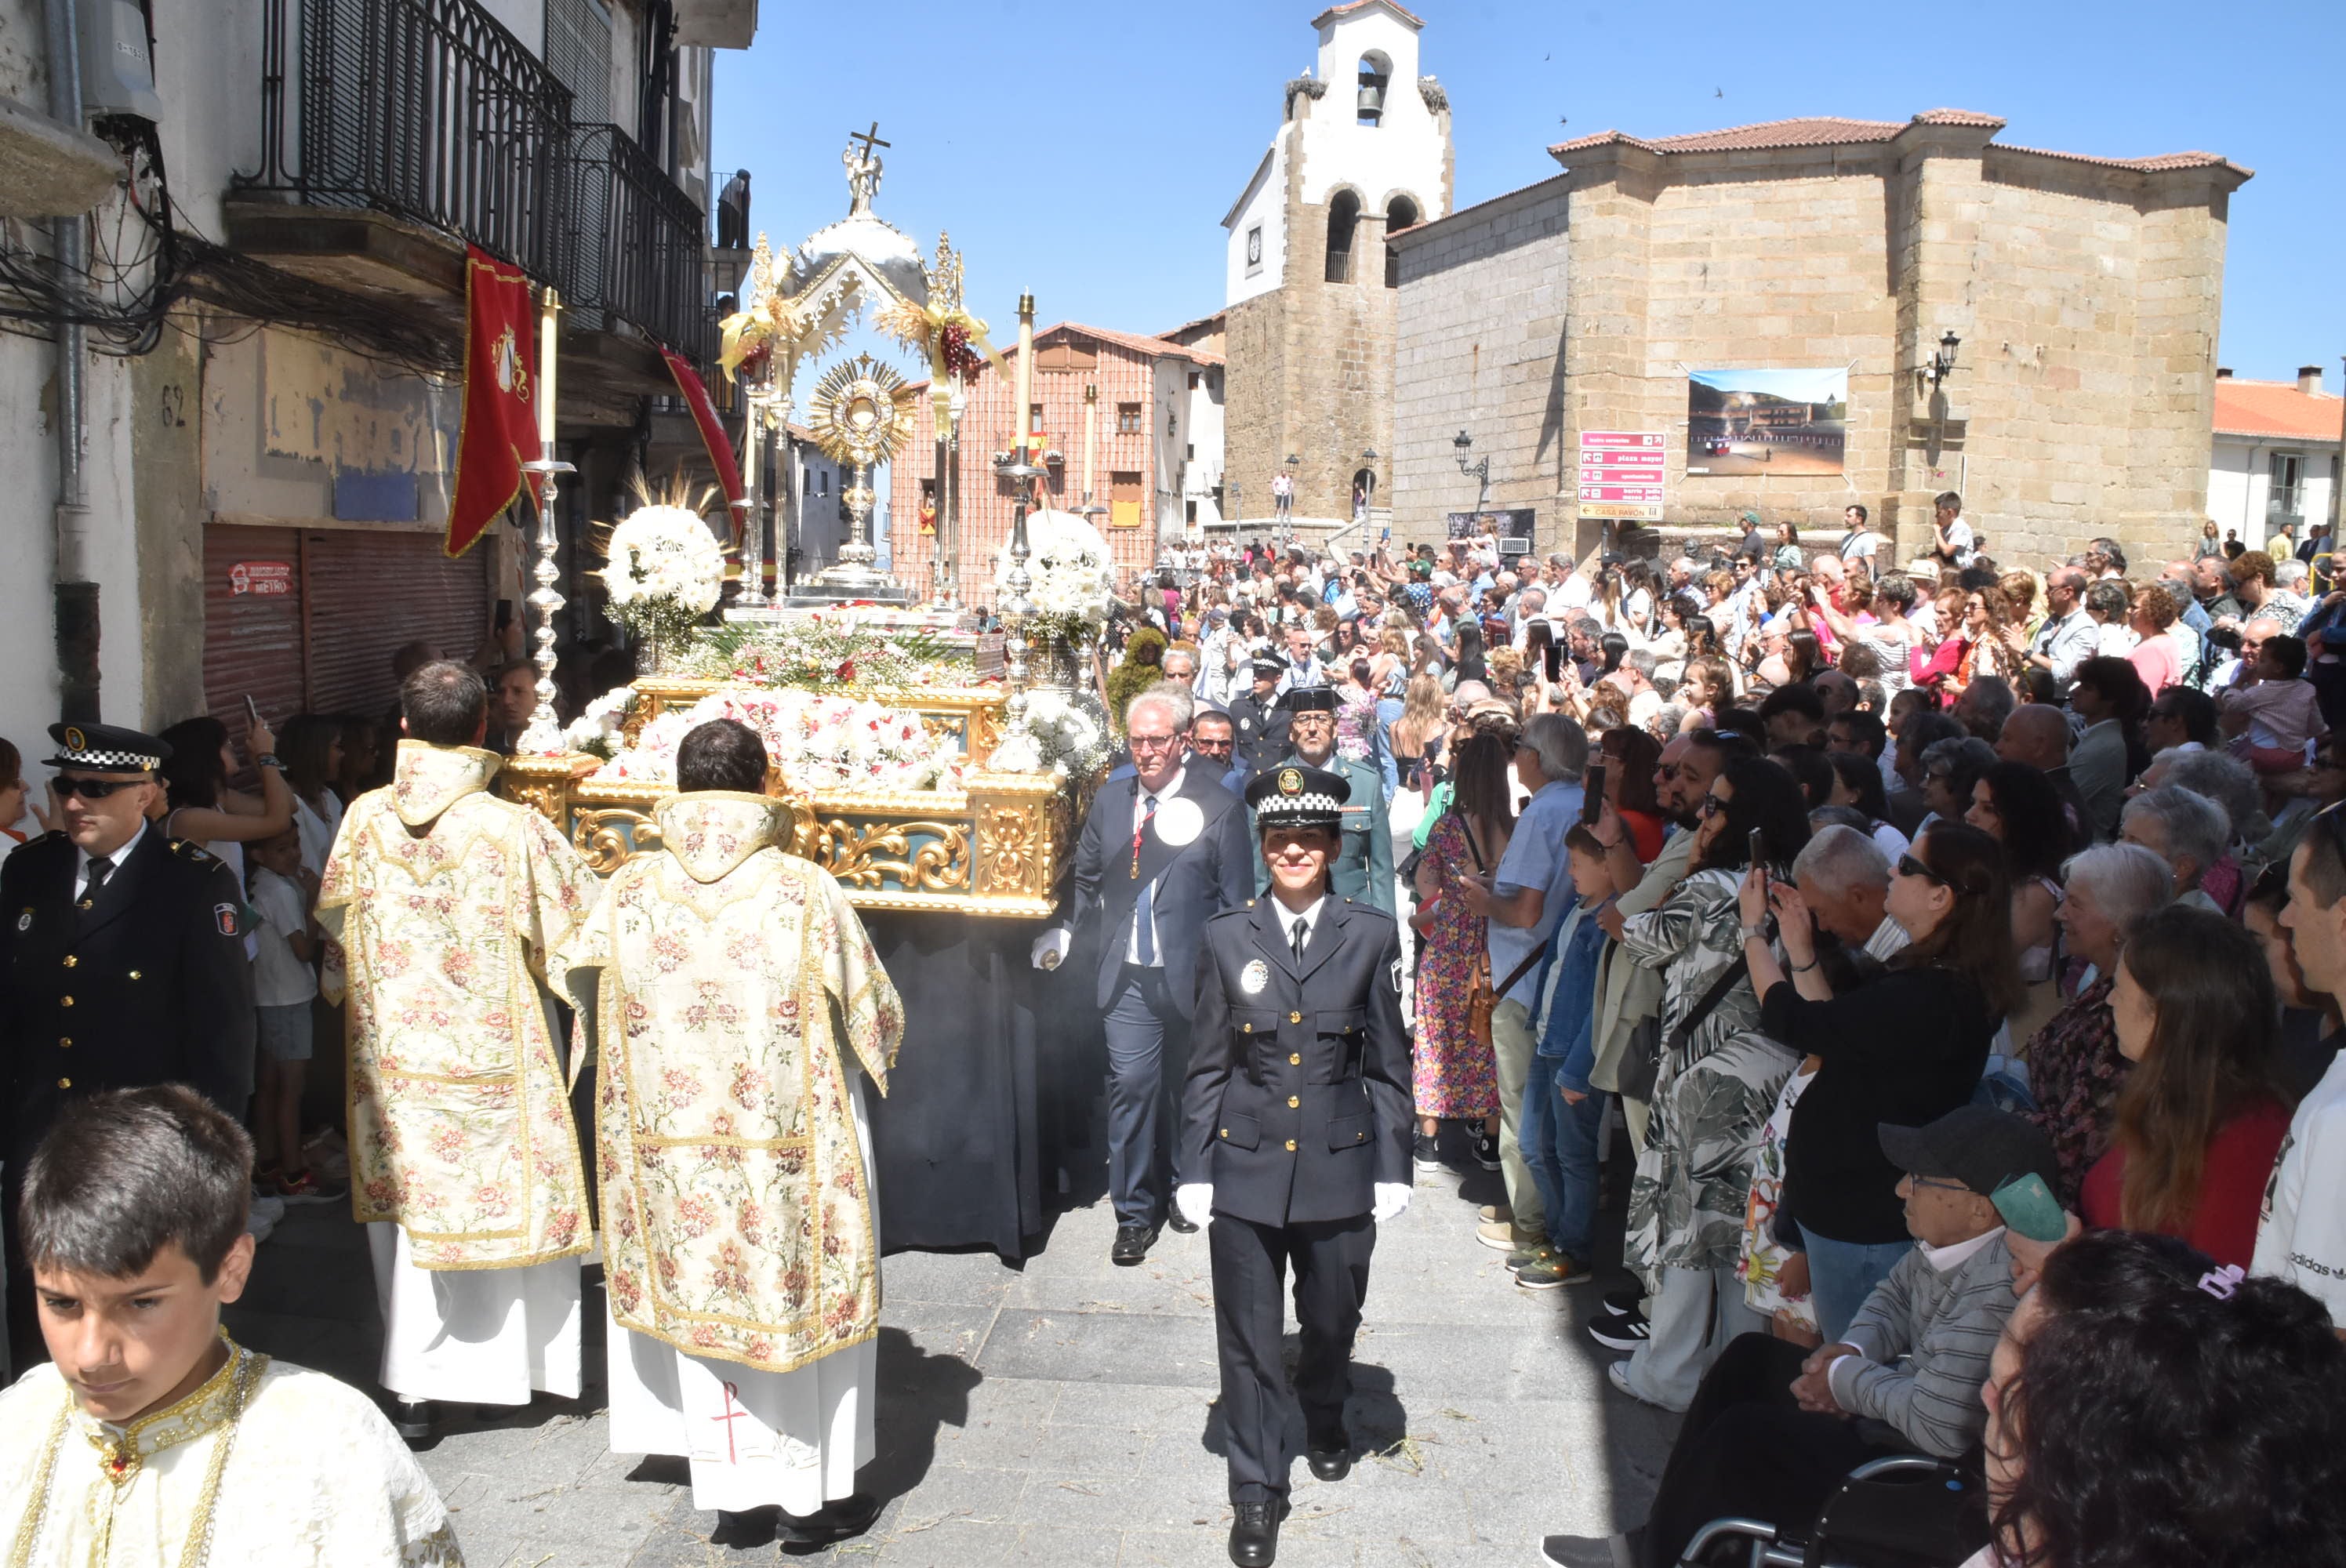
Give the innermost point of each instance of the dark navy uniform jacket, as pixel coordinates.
(1298, 1101)
(149, 985)
(1258, 729)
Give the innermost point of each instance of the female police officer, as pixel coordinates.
(1298, 1108)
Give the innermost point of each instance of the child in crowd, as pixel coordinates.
(151, 1437)
(284, 984)
(1564, 1118)
(1776, 1277)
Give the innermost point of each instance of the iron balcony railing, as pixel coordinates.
(630, 246)
(432, 111)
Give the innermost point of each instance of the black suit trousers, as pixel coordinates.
(1332, 1282)
(1148, 1059)
(1748, 1449)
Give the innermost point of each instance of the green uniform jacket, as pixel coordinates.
(1364, 872)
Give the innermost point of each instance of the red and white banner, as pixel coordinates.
(499, 429)
(712, 430)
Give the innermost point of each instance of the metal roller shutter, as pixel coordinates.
(252, 639)
(368, 593)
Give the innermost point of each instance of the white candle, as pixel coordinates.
(545, 355)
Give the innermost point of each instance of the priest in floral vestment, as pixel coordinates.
(735, 996)
(445, 907)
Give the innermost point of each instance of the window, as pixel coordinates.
(1189, 512)
(2286, 472)
(578, 52)
(1343, 221)
(1189, 452)
(1172, 424)
(1128, 419)
(1193, 381)
(1034, 417)
(1123, 500)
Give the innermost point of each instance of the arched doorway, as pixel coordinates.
(1364, 493)
(1400, 212)
(1344, 224)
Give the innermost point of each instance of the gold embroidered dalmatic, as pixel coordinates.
(729, 983)
(444, 907)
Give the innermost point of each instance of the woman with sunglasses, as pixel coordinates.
(1717, 1079)
(198, 805)
(1904, 1047)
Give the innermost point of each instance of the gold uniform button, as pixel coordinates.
(65, 1002)
(1360, 1137)
(71, 960)
(1293, 1102)
(64, 1083)
(134, 974)
(1290, 1146)
(1225, 1132)
(1295, 1018)
(88, 904)
(1249, 1028)
(66, 1043)
(1295, 1061)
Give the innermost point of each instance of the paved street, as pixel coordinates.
(1061, 1415)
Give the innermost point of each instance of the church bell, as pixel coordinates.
(1372, 97)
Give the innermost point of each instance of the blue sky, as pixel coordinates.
(1088, 151)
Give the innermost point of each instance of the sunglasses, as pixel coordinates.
(93, 788)
(1908, 866)
(1711, 805)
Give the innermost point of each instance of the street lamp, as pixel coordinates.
(1943, 363)
(1478, 471)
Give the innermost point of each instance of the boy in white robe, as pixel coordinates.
(151, 1437)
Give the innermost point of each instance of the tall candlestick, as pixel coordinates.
(1024, 413)
(545, 357)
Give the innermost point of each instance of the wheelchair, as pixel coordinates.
(1906, 1511)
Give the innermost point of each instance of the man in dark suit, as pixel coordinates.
(1159, 853)
(121, 962)
(1295, 1133)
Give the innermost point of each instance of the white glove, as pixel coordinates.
(1393, 1197)
(1051, 947)
(1194, 1200)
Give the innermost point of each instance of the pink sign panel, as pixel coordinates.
(264, 578)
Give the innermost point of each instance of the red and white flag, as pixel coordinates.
(498, 431)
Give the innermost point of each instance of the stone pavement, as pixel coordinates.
(1061, 1415)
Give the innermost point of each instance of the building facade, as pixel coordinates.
(272, 398)
(1125, 421)
(2276, 456)
(1362, 150)
(2082, 294)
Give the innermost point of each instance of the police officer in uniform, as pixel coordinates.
(1364, 869)
(122, 961)
(1257, 721)
(1296, 1122)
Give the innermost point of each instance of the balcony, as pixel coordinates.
(395, 131)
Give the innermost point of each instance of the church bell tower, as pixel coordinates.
(1362, 149)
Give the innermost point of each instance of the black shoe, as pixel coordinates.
(1487, 1150)
(1627, 1302)
(411, 1420)
(1594, 1550)
(1425, 1151)
(1330, 1458)
(1254, 1533)
(840, 1520)
(1619, 1332)
(1132, 1244)
(744, 1531)
(1178, 1223)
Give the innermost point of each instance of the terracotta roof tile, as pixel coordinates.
(1156, 348)
(1352, 6)
(2276, 409)
(1831, 131)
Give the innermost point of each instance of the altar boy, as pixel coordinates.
(150, 1435)
(1296, 1136)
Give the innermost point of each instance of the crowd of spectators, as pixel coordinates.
(1958, 948)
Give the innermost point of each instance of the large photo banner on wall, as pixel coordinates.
(1748, 422)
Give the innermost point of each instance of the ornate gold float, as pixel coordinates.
(995, 848)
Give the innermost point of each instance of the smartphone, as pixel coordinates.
(1759, 845)
(1592, 792)
(252, 710)
(504, 614)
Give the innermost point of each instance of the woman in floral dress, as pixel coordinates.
(1457, 1077)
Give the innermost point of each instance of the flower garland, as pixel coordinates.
(824, 652)
(1071, 571)
(819, 743)
(1061, 735)
(601, 731)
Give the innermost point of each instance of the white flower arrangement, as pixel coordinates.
(819, 743)
(664, 553)
(601, 731)
(1072, 575)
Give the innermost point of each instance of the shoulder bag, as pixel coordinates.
(1641, 1064)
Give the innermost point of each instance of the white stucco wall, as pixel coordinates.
(2239, 482)
(1204, 424)
(1402, 154)
(1264, 206)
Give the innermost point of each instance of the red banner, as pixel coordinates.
(712, 432)
(499, 429)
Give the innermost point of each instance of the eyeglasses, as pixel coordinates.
(1933, 1181)
(1152, 742)
(93, 788)
(1711, 805)
(1211, 748)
